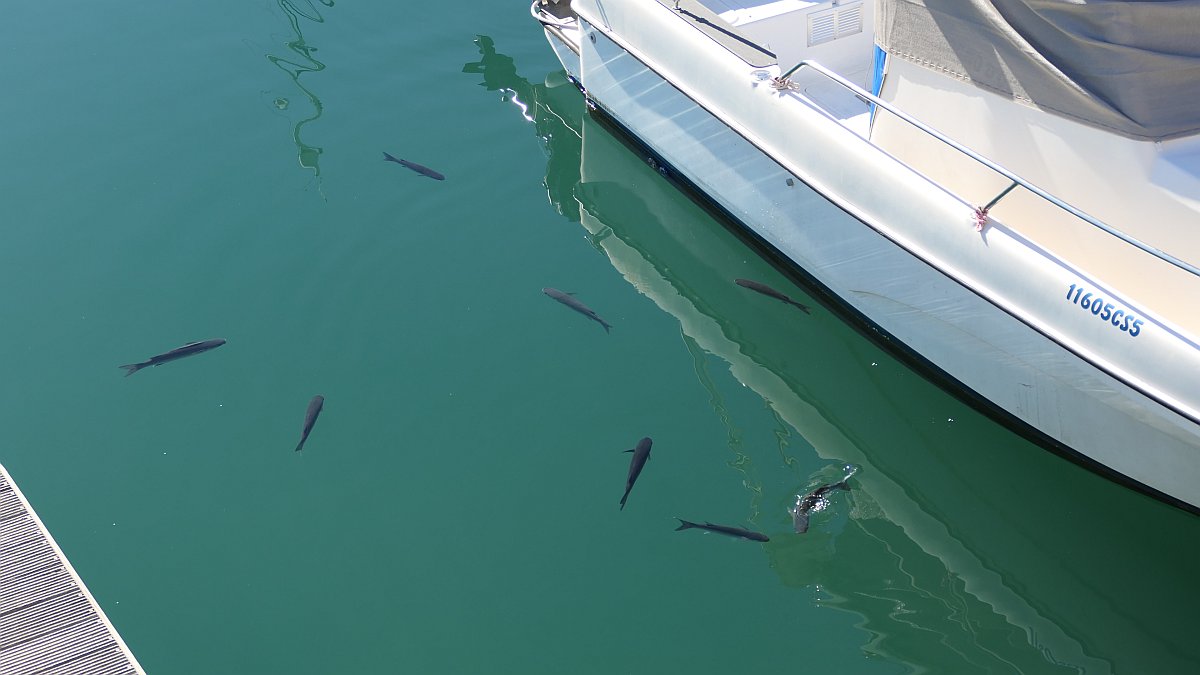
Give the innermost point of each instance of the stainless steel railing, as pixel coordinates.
(981, 212)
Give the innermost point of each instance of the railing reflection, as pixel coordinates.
(297, 63)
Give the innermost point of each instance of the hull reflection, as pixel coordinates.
(963, 539)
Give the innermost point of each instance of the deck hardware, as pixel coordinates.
(782, 84)
(981, 212)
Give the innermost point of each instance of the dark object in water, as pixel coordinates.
(566, 299)
(310, 418)
(189, 349)
(423, 170)
(805, 503)
(640, 454)
(723, 529)
(770, 292)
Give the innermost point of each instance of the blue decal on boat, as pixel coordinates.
(1119, 317)
(877, 75)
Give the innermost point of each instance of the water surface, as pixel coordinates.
(180, 173)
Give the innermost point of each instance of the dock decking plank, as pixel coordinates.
(49, 623)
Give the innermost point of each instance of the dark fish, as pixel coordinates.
(310, 418)
(423, 170)
(640, 454)
(723, 529)
(566, 299)
(770, 292)
(805, 503)
(178, 353)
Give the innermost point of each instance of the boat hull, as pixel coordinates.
(997, 357)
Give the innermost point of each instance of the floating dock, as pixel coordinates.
(49, 623)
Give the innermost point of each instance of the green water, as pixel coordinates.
(196, 170)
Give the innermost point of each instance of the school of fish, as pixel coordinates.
(807, 503)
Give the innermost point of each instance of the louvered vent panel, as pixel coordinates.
(835, 23)
(822, 27)
(849, 20)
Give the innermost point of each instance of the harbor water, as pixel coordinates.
(194, 171)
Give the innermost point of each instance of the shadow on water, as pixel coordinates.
(964, 548)
(299, 61)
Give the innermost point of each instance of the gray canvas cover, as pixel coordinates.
(1130, 67)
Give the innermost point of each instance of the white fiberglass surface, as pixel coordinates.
(738, 12)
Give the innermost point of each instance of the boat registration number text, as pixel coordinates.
(1106, 311)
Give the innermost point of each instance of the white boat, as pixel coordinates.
(1008, 192)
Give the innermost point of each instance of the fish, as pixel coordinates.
(770, 292)
(423, 170)
(640, 454)
(189, 349)
(722, 529)
(805, 503)
(566, 299)
(310, 418)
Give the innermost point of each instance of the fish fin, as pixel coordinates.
(132, 368)
(840, 485)
(629, 450)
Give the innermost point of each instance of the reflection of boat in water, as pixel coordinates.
(1055, 318)
(538, 105)
(951, 549)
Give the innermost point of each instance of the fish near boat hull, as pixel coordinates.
(190, 349)
(568, 300)
(770, 293)
(806, 503)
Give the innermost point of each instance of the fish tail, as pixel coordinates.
(625, 496)
(684, 525)
(389, 158)
(131, 368)
(802, 307)
(840, 485)
(300, 446)
(605, 324)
